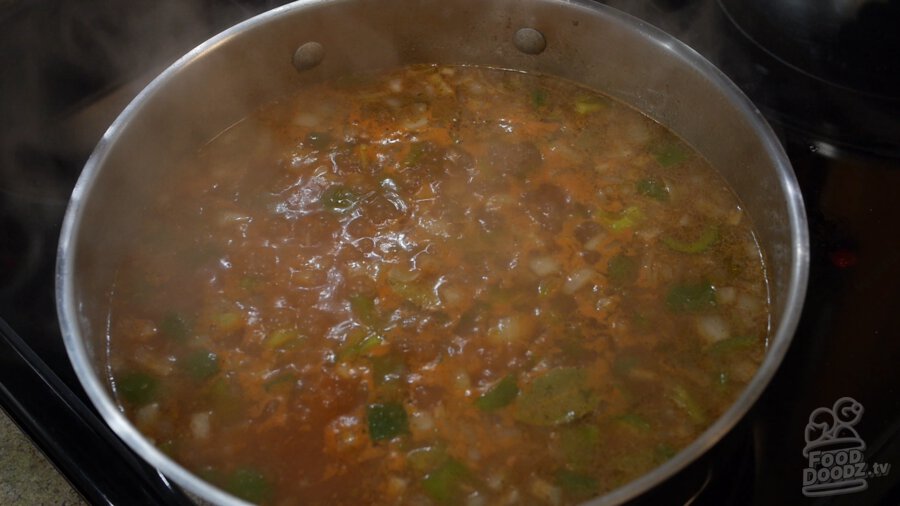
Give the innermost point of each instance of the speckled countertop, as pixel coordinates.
(26, 476)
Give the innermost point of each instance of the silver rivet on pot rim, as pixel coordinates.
(308, 55)
(529, 41)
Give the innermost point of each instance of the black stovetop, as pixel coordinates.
(69, 67)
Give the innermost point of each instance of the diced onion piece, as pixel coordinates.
(577, 280)
(229, 217)
(462, 382)
(642, 374)
(546, 492)
(726, 295)
(396, 486)
(495, 481)
(440, 85)
(306, 119)
(451, 295)
(403, 275)
(593, 242)
(511, 497)
(396, 85)
(347, 371)
(544, 265)
(713, 328)
(751, 248)
(416, 124)
(636, 131)
(158, 365)
(743, 371)
(648, 234)
(421, 422)
(602, 303)
(475, 87)
(200, 425)
(147, 415)
(476, 499)
(748, 307)
(512, 328)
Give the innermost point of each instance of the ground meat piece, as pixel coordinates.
(587, 230)
(547, 206)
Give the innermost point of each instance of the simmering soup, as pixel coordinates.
(436, 285)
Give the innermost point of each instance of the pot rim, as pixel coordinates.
(780, 340)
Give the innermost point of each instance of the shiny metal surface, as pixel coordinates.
(222, 80)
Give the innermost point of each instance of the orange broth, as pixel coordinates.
(437, 285)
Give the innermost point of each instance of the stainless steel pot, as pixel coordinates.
(224, 79)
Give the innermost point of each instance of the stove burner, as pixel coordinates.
(849, 44)
(829, 74)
